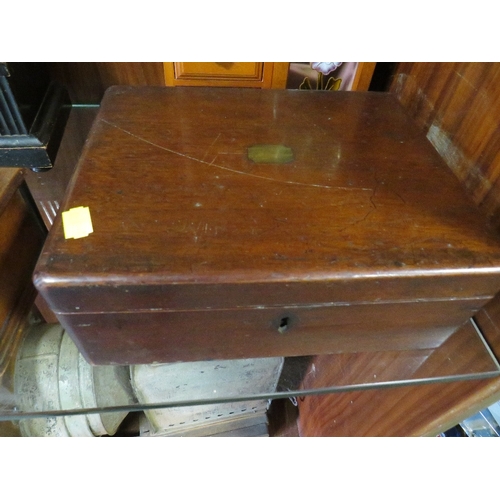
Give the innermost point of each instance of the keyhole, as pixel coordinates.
(283, 325)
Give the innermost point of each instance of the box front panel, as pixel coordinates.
(156, 336)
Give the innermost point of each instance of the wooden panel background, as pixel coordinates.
(240, 74)
(424, 410)
(458, 106)
(88, 81)
(21, 240)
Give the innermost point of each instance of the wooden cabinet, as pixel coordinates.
(226, 74)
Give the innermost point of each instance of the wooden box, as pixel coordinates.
(240, 223)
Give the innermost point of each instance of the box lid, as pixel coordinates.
(216, 198)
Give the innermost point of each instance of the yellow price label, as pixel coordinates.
(77, 223)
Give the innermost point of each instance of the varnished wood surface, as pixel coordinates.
(457, 106)
(87, 81)
(299, 293)
(282, 416)
(11, 216)
(10, 180)
(230, 70)
(363, 77)
(226, 74)
(461, 354)
(407, 411)
(21, 239)
(184, 152)
(178, 207)
(280, 75)
(238, 333)
(48, 188)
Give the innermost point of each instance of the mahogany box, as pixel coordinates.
(241, 223)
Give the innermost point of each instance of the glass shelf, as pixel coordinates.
(464, 355)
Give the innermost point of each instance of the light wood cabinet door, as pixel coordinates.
(226, 74)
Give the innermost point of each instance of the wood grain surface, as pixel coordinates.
(87, 81)
(459, 102)
(48, 188)
(457, 106)
(185, 221)
(21, 239)
(421, 410)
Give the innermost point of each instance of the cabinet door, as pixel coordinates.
(226, 74)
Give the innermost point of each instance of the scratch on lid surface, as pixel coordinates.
(213, 164)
